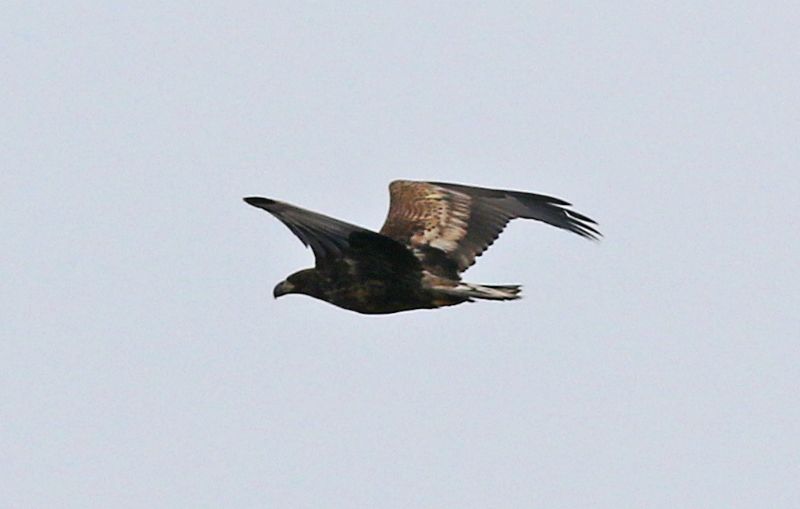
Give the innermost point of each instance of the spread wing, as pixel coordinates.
(449, 225)
(328, 237)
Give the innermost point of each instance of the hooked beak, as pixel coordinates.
(282, 288)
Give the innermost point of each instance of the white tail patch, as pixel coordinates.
(489, 292)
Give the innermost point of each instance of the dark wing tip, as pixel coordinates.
(581, 217)
(582, 225)
(258, 201)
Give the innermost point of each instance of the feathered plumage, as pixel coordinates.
(433, 233)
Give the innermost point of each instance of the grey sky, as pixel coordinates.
(145, 363)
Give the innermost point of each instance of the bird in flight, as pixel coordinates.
(433, 233)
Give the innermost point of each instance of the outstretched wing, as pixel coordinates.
(328, 237)
(449, 225)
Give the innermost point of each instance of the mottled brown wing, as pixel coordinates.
(449, 225)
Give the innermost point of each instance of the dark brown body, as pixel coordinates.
(371, 290)
(374, 297)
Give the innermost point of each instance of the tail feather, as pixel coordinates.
(488, 292)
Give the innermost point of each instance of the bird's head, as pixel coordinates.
(304, 281)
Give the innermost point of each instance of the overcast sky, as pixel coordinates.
(146, 364)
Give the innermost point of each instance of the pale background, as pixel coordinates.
(145, 363)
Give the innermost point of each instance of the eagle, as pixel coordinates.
(434, 231)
